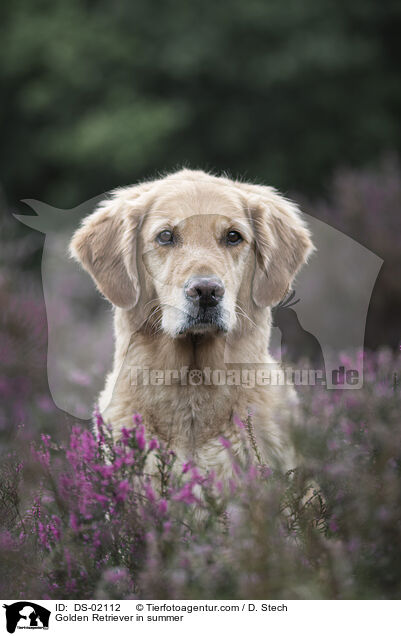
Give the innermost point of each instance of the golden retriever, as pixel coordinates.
(192, 264)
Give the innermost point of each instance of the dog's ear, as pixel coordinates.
(282, 242)
(105, 245)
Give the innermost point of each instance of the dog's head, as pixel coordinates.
(193, 253)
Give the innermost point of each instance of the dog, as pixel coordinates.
(192, 264)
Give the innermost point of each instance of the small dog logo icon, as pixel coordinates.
(32, 616)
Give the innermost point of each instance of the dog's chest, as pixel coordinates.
(188, 416)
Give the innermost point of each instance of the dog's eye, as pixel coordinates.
(233, 238)
(165, 238)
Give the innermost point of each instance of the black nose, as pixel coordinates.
(205, 290)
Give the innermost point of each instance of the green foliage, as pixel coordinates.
(99, 94)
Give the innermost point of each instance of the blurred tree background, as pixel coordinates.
(100, 94)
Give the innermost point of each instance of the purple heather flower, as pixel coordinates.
(225, 442)
(126, 435)
(42, 534)
(88, 446)
(122, 490)
(153, 444)
(232, 485)
(99, 426)
(74, 522)
(186, 495)
(186, 467)
(162, 507)
(238, 421)
(196, 477)
(333, 525)
(104, 471)
(149, 492)
(167, 526)
(55, 527)
(45, 440)
(140, 437)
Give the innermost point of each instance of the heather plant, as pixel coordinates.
(79, 518)
(96, 526)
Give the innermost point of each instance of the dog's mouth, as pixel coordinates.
(206, 320)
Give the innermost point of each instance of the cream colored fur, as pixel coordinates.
(144, 281)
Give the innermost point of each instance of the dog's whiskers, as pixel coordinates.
(152, 300)
(244, 314)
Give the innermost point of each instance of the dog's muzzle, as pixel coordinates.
(204, 295)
